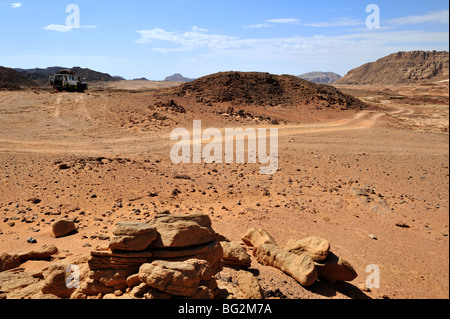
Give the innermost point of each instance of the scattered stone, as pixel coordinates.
(258, 236)
(235, 254)
(34, 200)
(372, 236)
(31, 240)
(317, 248)
(63, 166)
(103, 237)
(334, 269)
(249, 285)
(301, 268)
(63, 228)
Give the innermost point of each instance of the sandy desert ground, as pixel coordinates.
(374, 183)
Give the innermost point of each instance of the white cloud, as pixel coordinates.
(339, 22)
(350, 49)
(65, 28)
(197, 29)
(189, 40)
(271, 23)
(16, 5)
(441, 16)
(259, 26)
(284, 21)
(58, 28)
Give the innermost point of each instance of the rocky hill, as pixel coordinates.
(264, 89)
(11, 79)
(40, 76)
(402, 67)
(178, 78)
(320, 77)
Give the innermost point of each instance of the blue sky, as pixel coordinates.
(154, 38)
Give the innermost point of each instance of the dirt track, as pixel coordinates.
(342, 176)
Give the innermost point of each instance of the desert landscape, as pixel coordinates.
(362, 166)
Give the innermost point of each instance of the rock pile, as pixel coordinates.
(172, 256)
(305, 260)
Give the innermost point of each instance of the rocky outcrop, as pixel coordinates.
(132, 236)
(300, 267)
(318, 248)
(191, 278)
(11, 261)
(334, 269)
(258, 236)
(235, 254)
(305, 260)
(401, 67)
(172, 255)
(249, 285)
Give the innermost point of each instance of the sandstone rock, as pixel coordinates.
(235, 254)
(41, 254)
(62, 228)
(55, 280)
(317, 248)
(17, 284)
(107, 259)
(175, 278)
(301, 268)
(153, 293)
(258, 236)
(115, 278)
(334, 269)
(132, 236)
(9, 261)
(139, 290)
(123, 297)
(249, 285)
(133, 280)
(182, 231)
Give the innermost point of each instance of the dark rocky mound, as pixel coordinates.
(402, 67)
(11, 79)
(264, 89)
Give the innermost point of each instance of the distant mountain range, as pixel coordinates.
(320, 77)
(40, 76)
(402, 67)
(178, 78)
